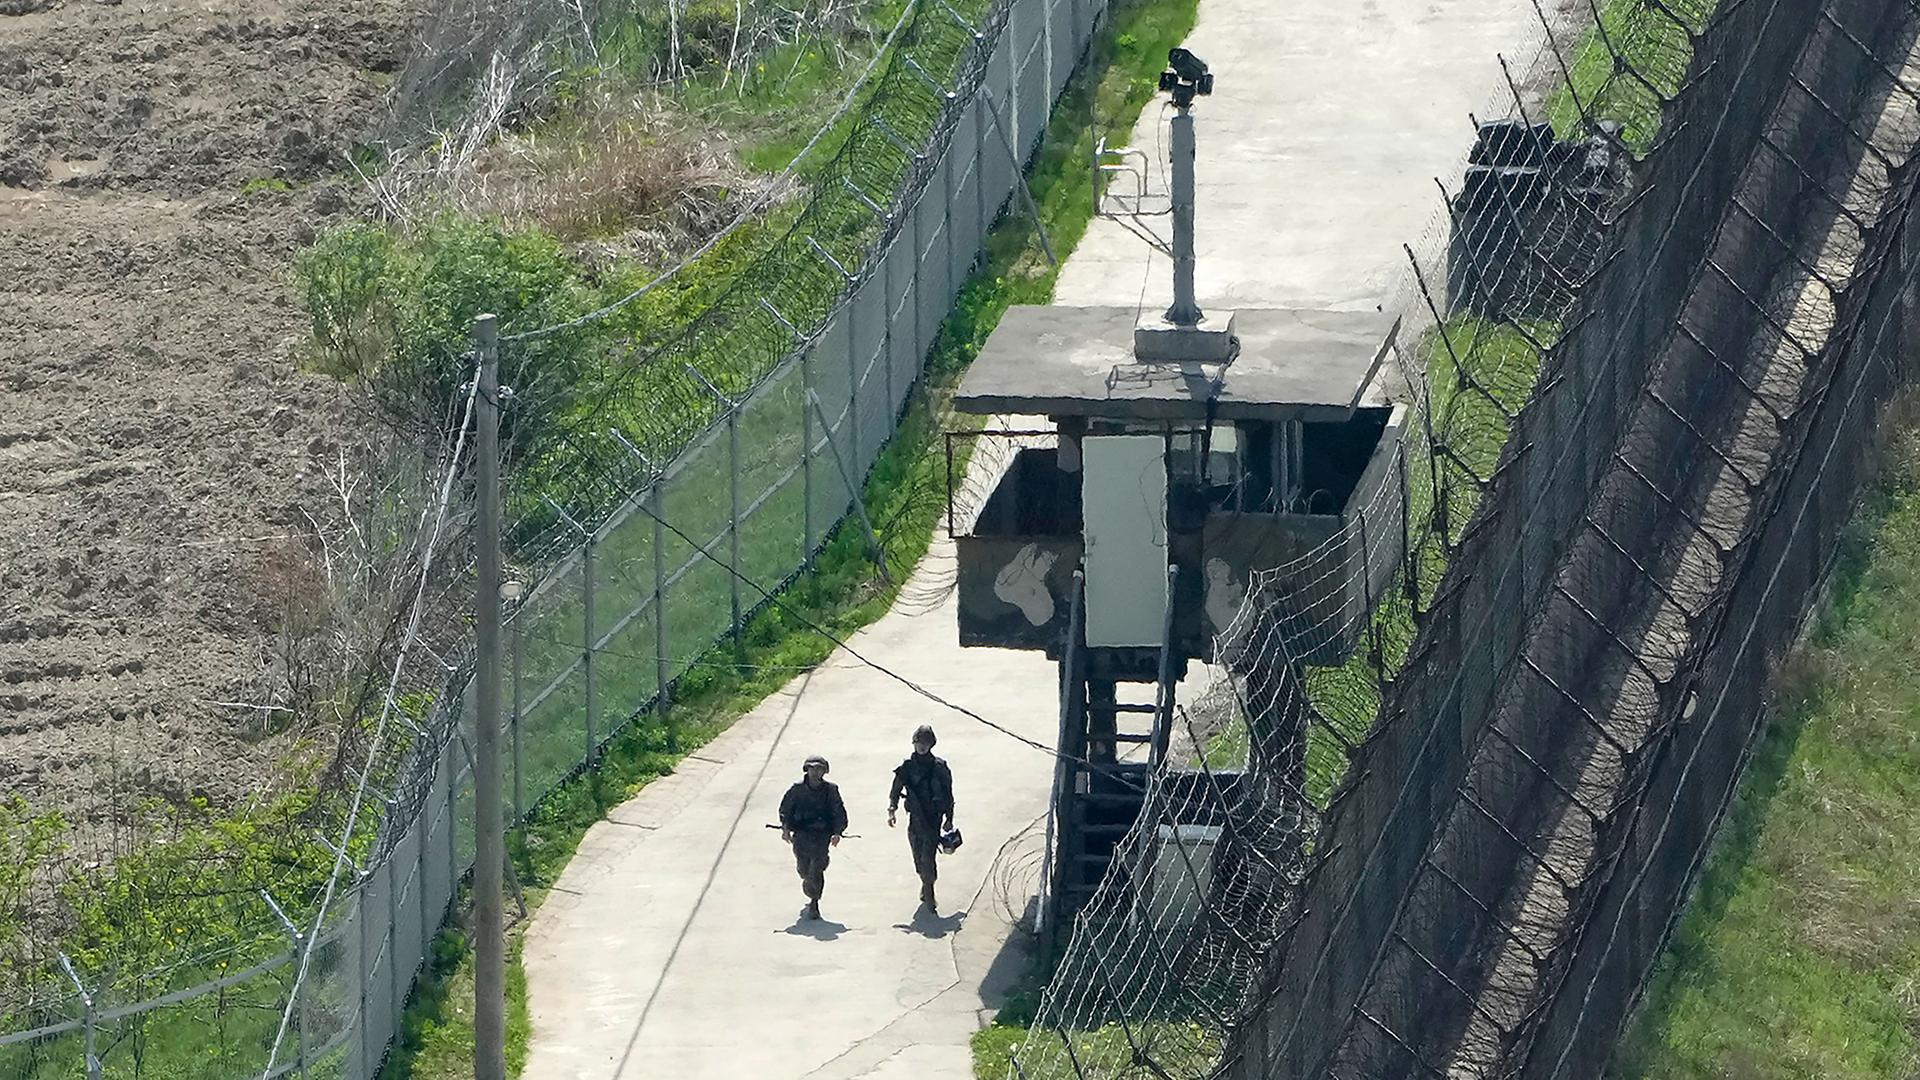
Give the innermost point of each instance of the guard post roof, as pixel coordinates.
(1293, 364)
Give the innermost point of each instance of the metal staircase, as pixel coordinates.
(1109, 744)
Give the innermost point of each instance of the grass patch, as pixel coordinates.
(436, 1034)
(1481, 372)
(905, 494)
(265, 185)
(1799, 955)
(1180, 1049)
(1654, 44)
(766, 73)
(1183, 1049)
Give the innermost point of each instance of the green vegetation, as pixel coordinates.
(393, 309)
(1480, 373)
(1180, 1049)
(767, 74)
(194, 889)
(436, 1035)
(1799, 955)
(392, 306)
(905, 494)
(1627, 67)
(263, 185)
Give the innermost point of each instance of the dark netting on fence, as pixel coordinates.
(1616, 380)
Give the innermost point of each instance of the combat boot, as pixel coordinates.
(926, 897)
(813, 909)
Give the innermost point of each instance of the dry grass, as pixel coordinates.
(623, 173)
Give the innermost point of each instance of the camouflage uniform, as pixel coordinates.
(927, 784)
(814, 814)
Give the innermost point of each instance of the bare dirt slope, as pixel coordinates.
(153, 422)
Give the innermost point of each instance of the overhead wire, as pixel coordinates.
(841, 643)
(387, 709)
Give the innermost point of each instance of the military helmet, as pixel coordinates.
(925, 732)
(812, 760)
(950, 841)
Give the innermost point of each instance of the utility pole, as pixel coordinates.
(490, 970)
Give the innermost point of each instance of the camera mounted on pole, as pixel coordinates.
(1185, 78)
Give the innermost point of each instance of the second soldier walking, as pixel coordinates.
(927, 785)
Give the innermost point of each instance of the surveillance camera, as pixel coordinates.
(1189, 67)
(1186, 77)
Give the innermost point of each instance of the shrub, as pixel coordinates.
(394, 312)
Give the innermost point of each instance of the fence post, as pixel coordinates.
(733, 506)
(588, 645)
(733, 527)
(366, 962)
(658, 512)
(732, 502)
(853, 389)
(946, 228)
(806, 452)
(921, 343)
(1406, 534)
(393, 917)
(451, 765)
(886, 326)
(300, 949)
(1019, 176)
(874, 551)
(806, 421)
(980, 138)
(513, 674)
(660, 652)
(94, 1068)
(1375, 654)
(1046, 48)
(427, 813)
(849, 280)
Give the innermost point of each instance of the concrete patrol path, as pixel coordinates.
(1317, 150)
(671, 946)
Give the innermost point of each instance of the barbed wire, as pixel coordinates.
(768, 195)
(405, 769)
(1111, 1009)
(429, 540)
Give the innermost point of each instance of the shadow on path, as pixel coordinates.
(817, 929)
(927, 924)
(713, 869)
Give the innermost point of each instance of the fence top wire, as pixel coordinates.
(791, 290)
(1077, 1022)
(768, 195)
(1845, 340)
(1582, 410)
(430, 534)
(898, 103)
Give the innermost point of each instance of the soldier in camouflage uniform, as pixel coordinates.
(927, 785)
(812, 819)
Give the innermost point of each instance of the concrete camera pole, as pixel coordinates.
(1186, 309)
(489, 931)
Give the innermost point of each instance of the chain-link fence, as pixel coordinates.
(728, 453)
(1638, 419)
